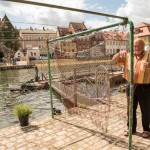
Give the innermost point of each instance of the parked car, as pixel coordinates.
(44, 58)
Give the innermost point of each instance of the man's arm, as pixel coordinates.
(119, 58)
(116, 57)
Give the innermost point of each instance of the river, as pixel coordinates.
(38, 100)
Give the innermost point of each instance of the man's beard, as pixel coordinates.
(138, 52)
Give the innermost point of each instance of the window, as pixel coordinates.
(6, 27)
(34, 54)
(40, 38)
(28, 38)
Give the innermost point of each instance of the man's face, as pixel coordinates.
(138, 47)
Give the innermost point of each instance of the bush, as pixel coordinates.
(84, 106)
(22, 110)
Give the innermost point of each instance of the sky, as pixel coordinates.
(23, 15)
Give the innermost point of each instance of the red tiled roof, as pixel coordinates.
(77, 26)
(114, 35)
(142, 24)
(63, 31)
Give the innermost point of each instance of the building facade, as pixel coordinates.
(99, 43)
(36, 38)
(115, 41)
(70, 48)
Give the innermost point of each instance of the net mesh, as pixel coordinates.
(86, 78)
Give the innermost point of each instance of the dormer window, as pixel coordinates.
(137, 31)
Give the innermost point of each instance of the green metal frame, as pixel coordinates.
(125, 21)
(131, 66)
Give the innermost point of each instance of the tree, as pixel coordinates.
(9, 36)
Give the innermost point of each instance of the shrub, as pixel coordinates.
(84, 106)
(22, 110)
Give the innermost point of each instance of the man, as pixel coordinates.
(141, 82)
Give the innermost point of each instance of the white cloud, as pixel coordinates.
(95, 23)
(100, 8)
(136, 10)
(43, 15)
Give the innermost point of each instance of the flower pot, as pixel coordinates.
(24, 121)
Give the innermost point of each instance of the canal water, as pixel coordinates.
(39, 100)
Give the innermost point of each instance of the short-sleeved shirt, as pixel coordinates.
(141, 76)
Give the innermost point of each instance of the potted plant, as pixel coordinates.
(22, 111)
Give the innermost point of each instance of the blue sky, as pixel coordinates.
(106, 5)
(137, 11)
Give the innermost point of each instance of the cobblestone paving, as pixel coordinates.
(71, 132)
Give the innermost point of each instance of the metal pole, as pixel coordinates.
(87, 31)
(131, 85)
(66, 8)
(49, 75)
(75, 88)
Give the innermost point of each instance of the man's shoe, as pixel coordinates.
(127, 133)
(146, 134)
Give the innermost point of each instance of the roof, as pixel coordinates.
(73, 28)
(141, 25)
(77, 26)
(62, 31)
(114, 35)
(37, 31)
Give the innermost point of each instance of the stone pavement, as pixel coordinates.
(73, 132)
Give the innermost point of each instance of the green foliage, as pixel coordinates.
(22, 110)
(84, 106)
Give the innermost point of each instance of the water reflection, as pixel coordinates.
(39, 100)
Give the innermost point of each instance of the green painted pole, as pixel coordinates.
(87, 31)
(49, 75)
(131, 84)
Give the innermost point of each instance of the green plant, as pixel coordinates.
(121, 89)
(84, 106)
(22, 110)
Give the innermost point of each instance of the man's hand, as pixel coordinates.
(144, 64)
(122, 53)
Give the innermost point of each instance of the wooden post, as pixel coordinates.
(75, 88)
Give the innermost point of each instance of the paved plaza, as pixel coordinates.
(74, 131)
